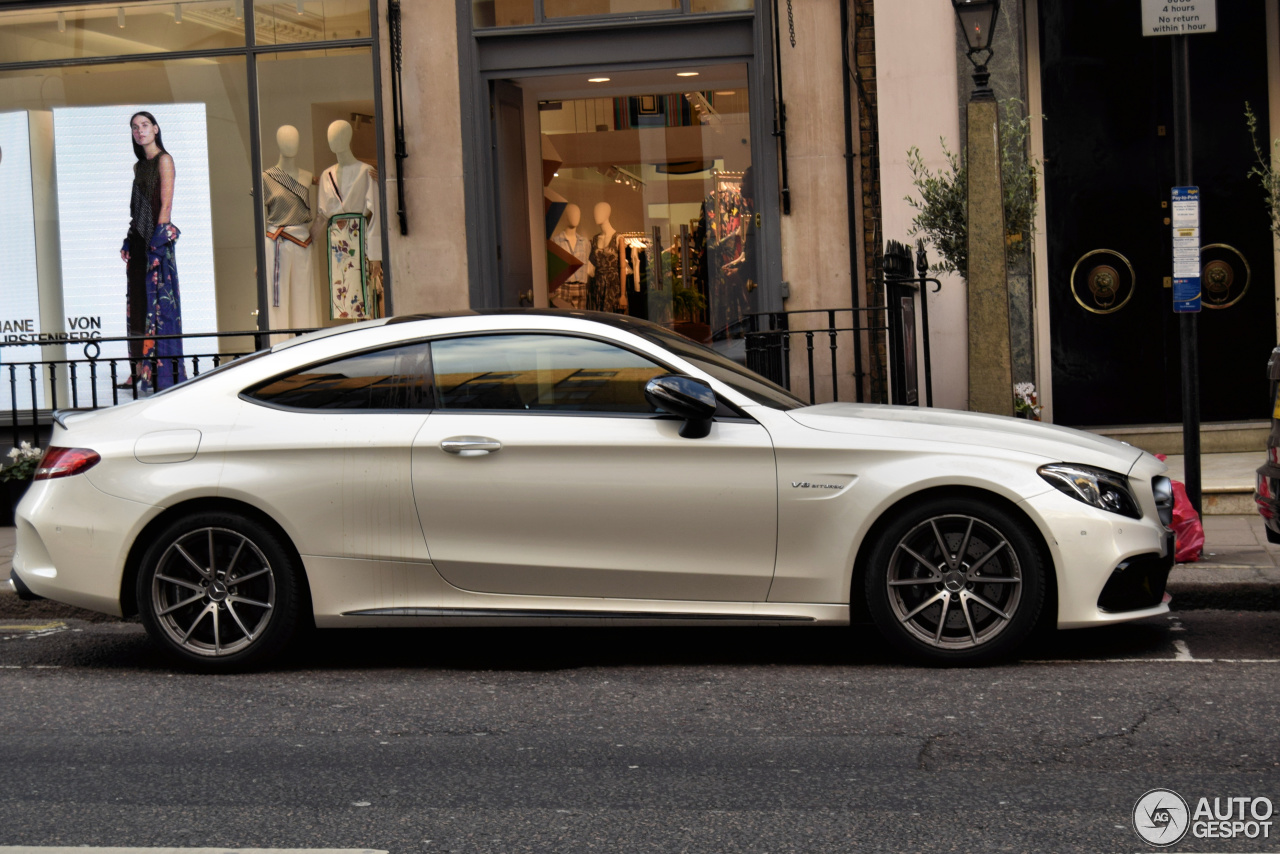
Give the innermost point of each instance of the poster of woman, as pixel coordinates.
(153, 302)
(138, 172)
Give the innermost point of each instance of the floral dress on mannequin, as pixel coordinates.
(349, 205)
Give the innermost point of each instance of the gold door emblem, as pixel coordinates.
(1102, 281)
(1224, 275)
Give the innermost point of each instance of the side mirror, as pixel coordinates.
(684, 397)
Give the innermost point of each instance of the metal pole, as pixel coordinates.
(1188, 321)
(922, 271)
(261, 341)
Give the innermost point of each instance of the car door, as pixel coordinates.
(544, 471)
(325, 449)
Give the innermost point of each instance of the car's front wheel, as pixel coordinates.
(219, 591)
(956, 580)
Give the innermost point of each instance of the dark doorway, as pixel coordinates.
(1108, 174)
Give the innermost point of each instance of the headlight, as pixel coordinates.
(1099, 488)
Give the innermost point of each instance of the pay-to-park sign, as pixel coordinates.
(1163, 18)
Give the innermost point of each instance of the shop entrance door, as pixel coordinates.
(1108, 173)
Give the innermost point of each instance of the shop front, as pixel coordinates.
(621, 160)
(153, 129)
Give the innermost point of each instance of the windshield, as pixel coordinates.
(727, 371)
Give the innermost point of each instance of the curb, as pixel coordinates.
(1224, 596)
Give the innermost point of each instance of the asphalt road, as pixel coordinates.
(663, 740)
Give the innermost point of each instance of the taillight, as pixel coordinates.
(64, 462)
(1273, 456)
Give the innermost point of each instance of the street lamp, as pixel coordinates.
(978, 20)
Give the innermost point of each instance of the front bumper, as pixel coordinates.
(1138, 583)
(1089, 546)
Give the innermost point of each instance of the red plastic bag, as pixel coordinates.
(1187, 530)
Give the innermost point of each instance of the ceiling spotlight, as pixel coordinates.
(597, 79)
(687, 73)
(301, 11)
(177, 13)
(120, 17)
(555, 174)
(62, 22)
(237, 8)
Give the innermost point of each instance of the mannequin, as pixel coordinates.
(349, 206)
(286, 193)
(604, 291)
(573, 293)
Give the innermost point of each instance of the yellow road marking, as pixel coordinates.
(30, 627)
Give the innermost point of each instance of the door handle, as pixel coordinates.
(470, 446)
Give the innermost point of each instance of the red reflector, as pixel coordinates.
(64, 462)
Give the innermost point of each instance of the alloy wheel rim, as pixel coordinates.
(954, 582)
(213, 592)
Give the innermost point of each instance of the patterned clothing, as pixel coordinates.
(293, 295)
(573, 291)
(605, 288)
(287, 200)
(162, 364)
(353, 240)
(348, 276)
(144, 204)
(144, 208)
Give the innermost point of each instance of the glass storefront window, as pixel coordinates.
(721, 5)
(129, 183)
(501, 13)
(310, 21)
(568, 8)
(78, 32)
(320, 156)
(521, 13)
(84, 166)
(648, 188)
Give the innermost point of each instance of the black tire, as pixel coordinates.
(219, 592)
(956, 581)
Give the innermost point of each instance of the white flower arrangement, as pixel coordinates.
(24, 461)
(1025, 401)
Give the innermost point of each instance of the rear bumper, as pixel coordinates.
(23, 591)
(72, 542)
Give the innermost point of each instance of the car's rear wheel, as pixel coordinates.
(956, 580)
(219, 591)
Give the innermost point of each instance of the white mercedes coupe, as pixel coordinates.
(541, 467)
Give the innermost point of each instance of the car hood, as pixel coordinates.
(1055, 444)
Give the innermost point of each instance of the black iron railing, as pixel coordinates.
(770, 346)
(32, 390)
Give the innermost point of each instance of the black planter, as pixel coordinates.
(11, 492)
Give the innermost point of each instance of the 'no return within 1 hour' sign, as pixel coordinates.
(1163, 18)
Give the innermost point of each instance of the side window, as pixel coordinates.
(540, 373)
(392, 379)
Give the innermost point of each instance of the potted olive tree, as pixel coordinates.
(942, 216)
(15, 477)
